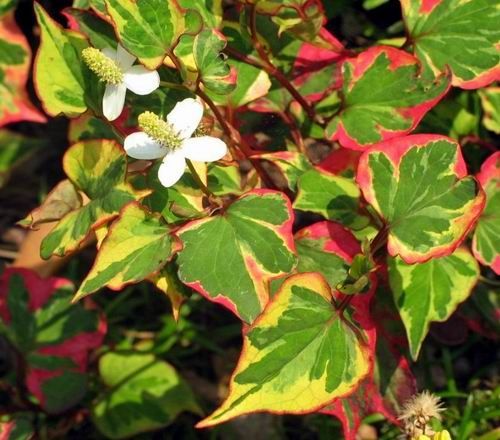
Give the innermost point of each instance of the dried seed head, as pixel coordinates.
(159, 130)
(417, 413)
(104, 67)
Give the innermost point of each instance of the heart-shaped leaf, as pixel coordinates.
(143, 394)
(297, 356)
(230, 258)
(419, 185)
(383, 96)
(137, 245)
(486, 240)
(97, 168)
(148, 29)
(213, 71)
(431, 291)
(461, 35)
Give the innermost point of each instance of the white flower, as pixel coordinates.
(115, 67)
(172, 141)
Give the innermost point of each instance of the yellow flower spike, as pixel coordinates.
(104, 67)
(159, 130)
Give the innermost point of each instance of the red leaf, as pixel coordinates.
(75, 348)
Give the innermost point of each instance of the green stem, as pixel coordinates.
(238, 141)
(172, 85)
(200, 183)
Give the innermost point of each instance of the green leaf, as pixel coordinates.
(252, 83)
(59, 320)
(298, 356)
(98, 169)
(64, 391)
(137, 245)
(86, 127)
(167, 281)
(462, 35)
(302, 18)
(210, 10)
(490, 99)
(22, 427)
(327, 248)
(148, 29)
(15, 61)
(177, 203)
(429, 292)
(47, 362)
(59, 73)
(290, 163)
(230, 258)
(224, 180)
(99, 32)
(213, 71)
(333, 197)
(419, 185)
(22, 327)
(486, 240)
(15, 148)
(383, 97)
(143, 394)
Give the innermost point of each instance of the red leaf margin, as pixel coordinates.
(395, 149)
(17, 76)
(361, 64)
(490, 170)
(75, 348)
(482, 80)
(284, 230)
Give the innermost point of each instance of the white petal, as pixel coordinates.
(204, 149)
(123, 58)
(140, 146)
(141, 80)
(109, 52)
(186, 116)
(113, 100)
(172, 168)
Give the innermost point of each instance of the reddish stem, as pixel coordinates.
(236, 139)
(266, 64)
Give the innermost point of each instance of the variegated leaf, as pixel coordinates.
(431, 291)
(419, 185)
(230, 258)
(297, 356)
